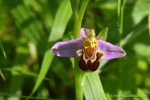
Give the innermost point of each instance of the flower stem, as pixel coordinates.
(78, 16)
(149, 20)
(79, 81)
(78, 21)
(121, 4)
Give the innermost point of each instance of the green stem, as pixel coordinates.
(149, 20)
(78, 21)
(119, 17)
(121, 4)
(78, 16)
(79, 81)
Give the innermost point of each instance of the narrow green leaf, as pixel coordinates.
(103, 34)
(48, 57)
(149, 21)
(121, 5)
(62, 17)
(2, 48)
(2, 75)
(93, 89)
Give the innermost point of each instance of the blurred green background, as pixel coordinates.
(28, 28)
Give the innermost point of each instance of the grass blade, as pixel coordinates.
(61, 19)
(149, 21)
(48, 57)
(60, 22)
(3, 51)
(2, 75)
(121, 5)
(93, 89)
(2, 48)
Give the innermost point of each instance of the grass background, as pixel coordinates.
(28, 29)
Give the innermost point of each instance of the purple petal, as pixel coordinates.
(67, 48)
(84, 32)
(110, 51)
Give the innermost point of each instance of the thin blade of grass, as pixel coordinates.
(93, 89)
(121, 5)
(3, 51)
(149, 21)
(62, 17)
(48, 57)
(2, 75)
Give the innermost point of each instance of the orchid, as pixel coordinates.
(89, 49)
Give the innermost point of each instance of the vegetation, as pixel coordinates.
(29, 70)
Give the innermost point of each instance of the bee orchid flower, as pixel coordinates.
(89, 49)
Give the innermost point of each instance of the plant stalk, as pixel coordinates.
(78, 16)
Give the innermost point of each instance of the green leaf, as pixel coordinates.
(2, 48)
(103, 34)
(48, 57)
(121, 5)
(61, 19)
(93, 89)
(149, 21)
(2, 75)
(60, 22)
(3, 51)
